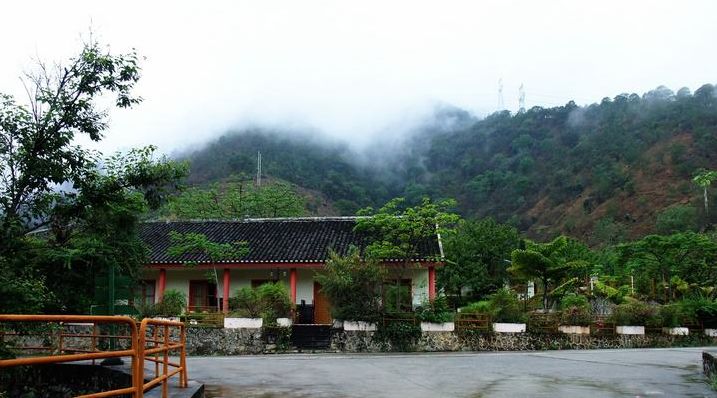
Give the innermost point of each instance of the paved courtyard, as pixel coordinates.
(596, 373)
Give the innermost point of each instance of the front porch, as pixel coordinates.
(206, 296)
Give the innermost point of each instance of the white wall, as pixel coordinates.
(178, 279)
(419, 283)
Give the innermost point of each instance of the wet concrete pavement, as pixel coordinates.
(675, 372)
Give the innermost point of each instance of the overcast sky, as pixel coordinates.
(362, 68)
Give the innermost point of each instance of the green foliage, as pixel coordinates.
(477, 257)
(604, 290)
(549, 262)
(436, 311)
(657, 258)
(269, 301)
(575, 315)
(700, 309)
(502, 306)
(352, 286)
(523, 167)
(291, 156)
(396, 232)
(246, 303)
(173, 303)
(396, 297)
(235, 200)
(704, 178)
(195, 243)
(505, 307)
(91, 205)
(401, 335)
(479, 307)
(275, 301)
(635, 313)
(574, 300)
(676, 219)
(672, 315)
(279, 335)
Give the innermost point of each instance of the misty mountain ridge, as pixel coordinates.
(601, 172)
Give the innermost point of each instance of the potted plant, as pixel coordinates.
(436, 316)
(246, 310)
(575, 318)
(507, 316)
(630, 318)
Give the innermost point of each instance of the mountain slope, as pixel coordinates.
(593, 172)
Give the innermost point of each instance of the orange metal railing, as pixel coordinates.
(143, 342)
(161, 342)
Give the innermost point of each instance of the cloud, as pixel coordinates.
(357, 70)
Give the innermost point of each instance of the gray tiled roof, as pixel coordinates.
(269, 240)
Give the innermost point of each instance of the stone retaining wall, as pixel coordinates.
(709, 364)
(355, 341)
(220, 341)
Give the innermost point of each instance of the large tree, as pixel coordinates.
(89, 205)
(236, 200)
(396, 232)
(546, 262)
(477, 257)
(690, 256)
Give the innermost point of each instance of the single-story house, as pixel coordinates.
(290, 250)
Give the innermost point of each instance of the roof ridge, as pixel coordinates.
(263, 219)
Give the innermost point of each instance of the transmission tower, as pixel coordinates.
(258, 169)
(501, 104)
(521, 98)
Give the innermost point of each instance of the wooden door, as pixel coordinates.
(322, 308)
(202, 296)
(197, 295)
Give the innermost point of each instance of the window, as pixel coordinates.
(144, 292)
(397, 296)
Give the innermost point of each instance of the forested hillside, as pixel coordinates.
(605, 172)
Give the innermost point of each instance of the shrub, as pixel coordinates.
(436, 311)
(635, 313)
(671, 315)
(145, 310)
(574, 300)
(246, 303)
(401, 335)
(268, 301)
(479, 307)
(506, 307)
(173, 303)
(576, 316)
(700, 309)
(352, 286)
(275, 301)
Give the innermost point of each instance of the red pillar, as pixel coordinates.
(292, 284)
(431, 283)
(162, 283)
(225, 302)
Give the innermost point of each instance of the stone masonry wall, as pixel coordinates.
(709, 363)
(220, 341)
(358, 341)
